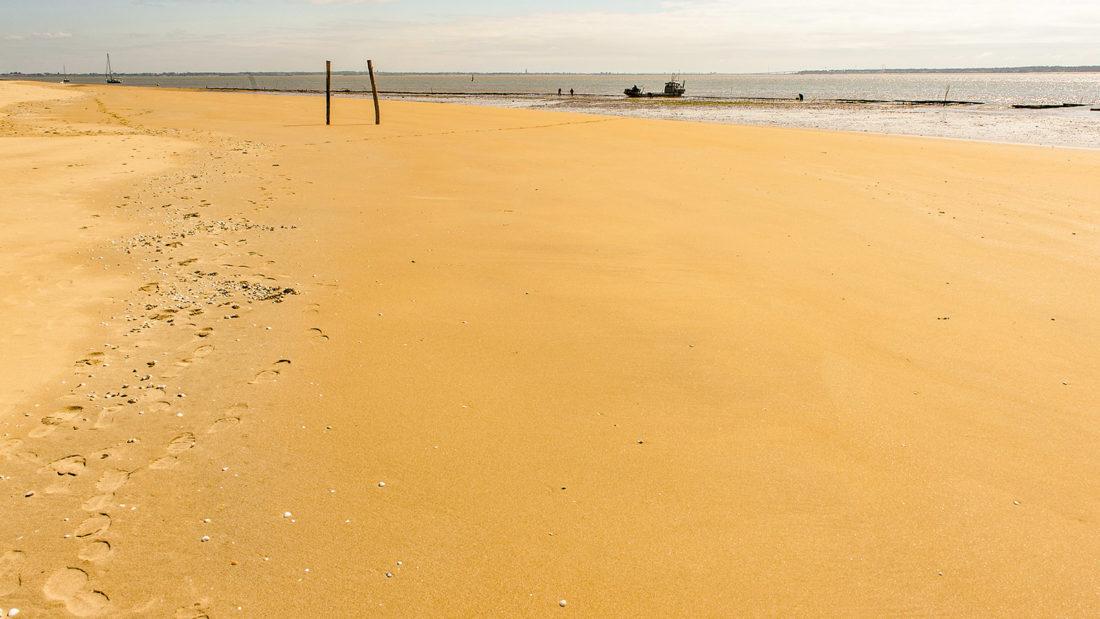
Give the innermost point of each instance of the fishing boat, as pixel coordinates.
(110, 75)
(673, 88)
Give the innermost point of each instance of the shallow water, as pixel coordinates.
(998, 88)
(1076, 127)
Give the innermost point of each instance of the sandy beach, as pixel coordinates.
(483, 361)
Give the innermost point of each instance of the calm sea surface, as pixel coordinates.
(998, 88)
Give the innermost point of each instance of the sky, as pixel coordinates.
(684, 36)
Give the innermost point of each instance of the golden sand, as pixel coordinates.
(481, 361)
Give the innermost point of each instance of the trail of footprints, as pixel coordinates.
(118, 388)
(72, 586)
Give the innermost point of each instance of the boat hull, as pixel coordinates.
(651, 95)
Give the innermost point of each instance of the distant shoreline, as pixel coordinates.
(1033, 69)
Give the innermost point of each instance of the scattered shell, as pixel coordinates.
(381, 484)
(287, 514)
(204, 538)
(562, 603)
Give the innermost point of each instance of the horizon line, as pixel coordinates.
(1018, 69)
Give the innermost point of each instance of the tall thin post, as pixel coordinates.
(374, 89)
(328, 92)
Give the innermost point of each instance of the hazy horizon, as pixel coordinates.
(319, 71)
(567, 36)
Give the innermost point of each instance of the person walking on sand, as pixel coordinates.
(559, 92)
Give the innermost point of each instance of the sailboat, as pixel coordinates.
(111, 79)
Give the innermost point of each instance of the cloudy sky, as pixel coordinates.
(545, 35)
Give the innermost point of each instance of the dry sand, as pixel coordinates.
(478, 361)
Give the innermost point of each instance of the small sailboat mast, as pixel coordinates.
(110, 75)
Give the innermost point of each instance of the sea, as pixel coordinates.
(990, 88)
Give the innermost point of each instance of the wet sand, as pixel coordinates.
(1071, 127)
(483, 361)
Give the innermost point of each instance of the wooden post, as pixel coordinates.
(374, 89)
(328, 92)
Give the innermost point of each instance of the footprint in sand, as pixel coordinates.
(110, 481)
(106, 416)
(177, 370)
(70, 587)
(98, 503)
(205, 332)
(11, 578)
(181, 443)
(108, 484)
(95, 552)
(186, 362)
(272, 374)
(265, 376)
(176, 446)
(223, 424)
(318, 335)
(68, 466)
(62, 417)
(232, 418)
(93, 526)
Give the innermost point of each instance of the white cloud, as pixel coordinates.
(737, 35)
(595, 35)
(32, 36)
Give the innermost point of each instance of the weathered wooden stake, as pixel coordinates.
(328, 92)
(374, 89)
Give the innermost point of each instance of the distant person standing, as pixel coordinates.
(570, 92)
(800, 97)
(559, 92)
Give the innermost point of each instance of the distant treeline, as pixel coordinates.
(1037, 69)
